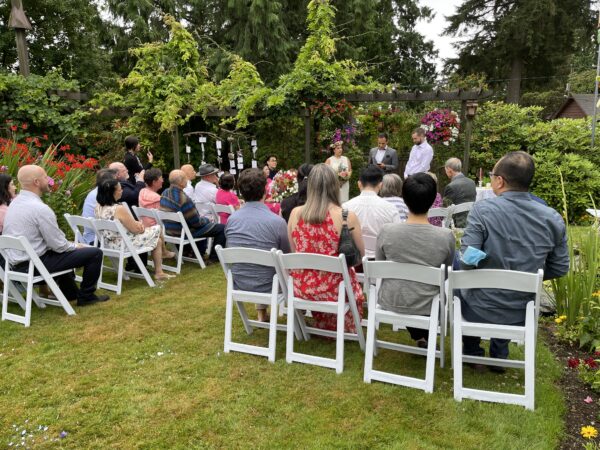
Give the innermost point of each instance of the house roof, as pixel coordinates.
(584, 101)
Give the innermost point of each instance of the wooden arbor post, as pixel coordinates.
(307, 157)
(18, 20)
(470, 113)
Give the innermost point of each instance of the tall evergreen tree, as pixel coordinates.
(518, 40)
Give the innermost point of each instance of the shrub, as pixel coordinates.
(581, 178)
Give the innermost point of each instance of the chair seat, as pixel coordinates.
(325, 307)
(22, 276)
(510, 332)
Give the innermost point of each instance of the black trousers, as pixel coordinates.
(90, 258)
(218, 233)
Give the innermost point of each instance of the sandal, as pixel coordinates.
(163, 276)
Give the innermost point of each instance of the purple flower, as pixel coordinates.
(63, 434)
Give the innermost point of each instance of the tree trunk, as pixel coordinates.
(513, 92)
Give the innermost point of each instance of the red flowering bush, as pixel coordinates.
(588, 369)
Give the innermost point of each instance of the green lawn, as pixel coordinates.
(147, 370)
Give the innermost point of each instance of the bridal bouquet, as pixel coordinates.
(284, 184)
(343, 173)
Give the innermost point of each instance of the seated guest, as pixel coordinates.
(299, 198)
(190, 174)
(226, 196)
(437, 203)
(30, 217)
(460, 190)
(89, 205)
(8, 191)
(414, 242)
(516, 233)
(274, 206)
(391, 191)
(174, 199)
(149, 197)
(206, 189)
(131, 191)
(254, 226)
(315, 227)
(108, 208)
(372, 211)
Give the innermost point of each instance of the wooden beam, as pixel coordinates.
(417, 96)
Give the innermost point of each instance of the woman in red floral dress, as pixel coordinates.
(315, 228)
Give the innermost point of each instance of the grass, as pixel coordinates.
(147, 370)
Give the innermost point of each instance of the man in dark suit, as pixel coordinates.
(132, 160)
(460, 189)
(383, 156)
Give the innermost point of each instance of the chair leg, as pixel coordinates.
(228, 320)
(289, 348)
(339, 345)
(120, 275)
(273, 327)
(431, 346)
(28, 300)
(5, 298)
(370, 346)
(457, 352)
(530, 357)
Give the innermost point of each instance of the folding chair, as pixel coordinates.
(276, 297)
(125, 250)
(78, 224)
(216, 209)
(145, 212)
(205, 210)
(457, 209)
(185, 238)
(29, 278)
(376, 271)
(496, 279)
(303, 261)
(444, 213)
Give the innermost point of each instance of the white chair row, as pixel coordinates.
(447, 214)
(282, 295)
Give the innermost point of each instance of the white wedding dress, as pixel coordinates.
(335, 163)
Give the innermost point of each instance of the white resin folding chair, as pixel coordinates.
(308, 261)
(238, 255)
(36, 272)
(126, 250)
(216, 209)
(376, 271)
(185, 238)
(205, 210)
(457, 209)
(496, 279)
(444, 213)
(78, 225)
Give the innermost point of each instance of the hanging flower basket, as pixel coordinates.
(441, 126)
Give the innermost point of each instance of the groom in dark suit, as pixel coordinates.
(383, 156)
(460, 189)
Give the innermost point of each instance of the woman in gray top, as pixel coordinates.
(416, 242)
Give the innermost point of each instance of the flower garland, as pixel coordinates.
(441, 126)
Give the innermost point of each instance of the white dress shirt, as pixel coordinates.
(373, 212)
(205, 192)
(189, 191)
(419, 159)
(379, 155)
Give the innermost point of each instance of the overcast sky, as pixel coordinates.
(433, 30)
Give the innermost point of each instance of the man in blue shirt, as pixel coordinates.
(516, 233)
(255, 226)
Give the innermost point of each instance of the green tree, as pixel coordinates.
(65, 34)
(519, 39)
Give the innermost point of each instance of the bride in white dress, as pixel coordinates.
(342, 166)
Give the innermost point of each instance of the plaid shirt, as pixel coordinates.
(174, 199)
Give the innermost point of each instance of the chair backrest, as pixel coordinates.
(145, 212)
(77, 222)
(21, 244)
(227, 209)
(403, 271)
(205, 209)
(313, 261)
(462, 207)
(437, 212)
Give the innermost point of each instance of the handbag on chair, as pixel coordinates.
(347, 246)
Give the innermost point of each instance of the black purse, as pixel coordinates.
(347, 245)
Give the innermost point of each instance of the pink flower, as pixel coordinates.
(588, 399)
(50, 181)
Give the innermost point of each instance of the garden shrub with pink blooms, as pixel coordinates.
(71, 177)
(441, 126)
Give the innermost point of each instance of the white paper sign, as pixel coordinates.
(253, 142)
(202, 140)
(254, 164)
(240, 159)
(220, 173)
(232, 171)
(188, 149)
(240, 166)
(219, 145)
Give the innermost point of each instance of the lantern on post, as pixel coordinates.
(471, 110)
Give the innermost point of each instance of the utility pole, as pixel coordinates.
(18, 20)
(596, 85)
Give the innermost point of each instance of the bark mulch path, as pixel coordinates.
(579, 413)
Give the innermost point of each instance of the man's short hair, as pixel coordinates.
(104, 174)
(252, 184)
(269, 157)
(419, 191)
(131, 142)
(382, 136)
(454, 164)
(517, 169)
(371, 176)
(227, 181)
(419, 131)
(151, 175)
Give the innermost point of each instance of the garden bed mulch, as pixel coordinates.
(579, 413)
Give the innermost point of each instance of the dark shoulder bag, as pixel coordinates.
(347, 245)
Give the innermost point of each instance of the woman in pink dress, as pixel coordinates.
(274, 206)
(226, 196)
(437, 203)
(315, 228)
